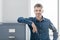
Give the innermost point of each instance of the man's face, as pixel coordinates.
(38, 11)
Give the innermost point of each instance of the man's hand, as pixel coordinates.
(34, 27)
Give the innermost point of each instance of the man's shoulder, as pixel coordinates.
(46, 19)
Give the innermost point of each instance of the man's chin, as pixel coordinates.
(38, 16)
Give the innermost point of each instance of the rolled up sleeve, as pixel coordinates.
(25, 20)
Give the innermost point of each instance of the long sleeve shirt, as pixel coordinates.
(42, 27)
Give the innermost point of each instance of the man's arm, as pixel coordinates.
(25, 20)
(55, 33)
(28, 21)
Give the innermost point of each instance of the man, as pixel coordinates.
(39, 26)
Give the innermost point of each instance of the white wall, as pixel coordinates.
(59, 17)
(0, 11)
(12, 9)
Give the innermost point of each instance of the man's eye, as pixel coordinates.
(36, 10)
(39, 10)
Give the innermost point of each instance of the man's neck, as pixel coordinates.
(39, 18)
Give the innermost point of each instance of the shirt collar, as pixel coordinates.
(41, 20)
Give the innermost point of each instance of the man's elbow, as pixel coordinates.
(20, 19)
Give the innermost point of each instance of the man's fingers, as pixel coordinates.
(34, 27)
(34, 30)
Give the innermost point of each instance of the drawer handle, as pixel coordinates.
(11, 37)
(11, 30)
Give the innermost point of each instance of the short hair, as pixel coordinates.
(38, 5)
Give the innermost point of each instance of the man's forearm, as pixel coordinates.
(55, 35)
(24, 20)
(27, 21)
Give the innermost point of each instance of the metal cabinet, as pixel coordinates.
(12, 31)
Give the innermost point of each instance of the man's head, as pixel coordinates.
(38, 10)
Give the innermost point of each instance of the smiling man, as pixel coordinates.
(39, 25)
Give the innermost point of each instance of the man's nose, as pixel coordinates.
(38, 12)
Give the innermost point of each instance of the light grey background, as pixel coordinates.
(12, 9)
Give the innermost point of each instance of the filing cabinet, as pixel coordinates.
(12, 31)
